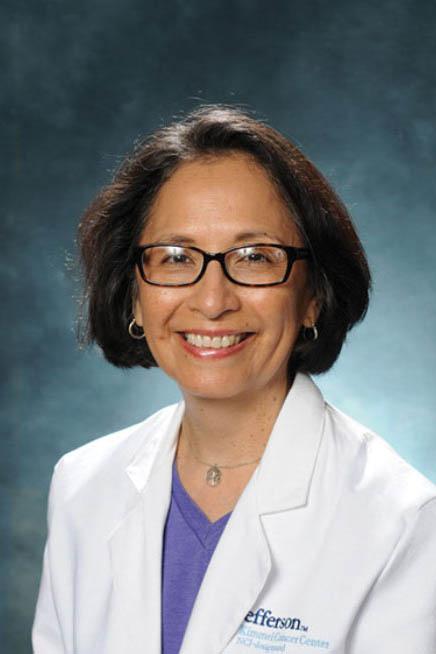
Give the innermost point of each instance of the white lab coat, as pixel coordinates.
(330, 548)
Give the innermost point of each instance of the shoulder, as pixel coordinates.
(373, 467)
(107, 456)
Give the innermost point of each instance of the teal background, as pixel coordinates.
(353, 83)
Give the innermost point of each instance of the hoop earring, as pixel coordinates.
(138, 337)
(310, 333)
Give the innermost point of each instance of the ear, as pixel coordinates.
(312, 312)
(136, 304)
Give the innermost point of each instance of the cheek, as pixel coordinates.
(283, 308)
(157, 307)
(286, 319)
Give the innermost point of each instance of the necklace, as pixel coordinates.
(214, 474)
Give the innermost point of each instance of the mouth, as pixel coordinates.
(216, 342)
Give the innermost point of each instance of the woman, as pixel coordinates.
(252, 515)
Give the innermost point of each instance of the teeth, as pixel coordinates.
(216, 342)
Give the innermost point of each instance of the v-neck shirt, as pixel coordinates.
(189, 542)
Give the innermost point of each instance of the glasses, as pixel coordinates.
(259, 264)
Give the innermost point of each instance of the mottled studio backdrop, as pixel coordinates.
(352, 82)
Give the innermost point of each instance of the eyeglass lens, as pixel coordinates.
(174, 265)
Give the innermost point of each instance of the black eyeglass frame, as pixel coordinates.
(292, 253)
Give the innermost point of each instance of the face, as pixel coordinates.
(217, 204)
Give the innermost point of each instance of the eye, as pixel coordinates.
(258, 255)
(176, 258)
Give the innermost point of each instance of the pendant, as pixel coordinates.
(213, 476)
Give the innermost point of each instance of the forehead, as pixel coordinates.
(219, 197)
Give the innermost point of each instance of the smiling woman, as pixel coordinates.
(220, 254)
(213, 205)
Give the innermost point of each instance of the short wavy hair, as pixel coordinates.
(113, 223)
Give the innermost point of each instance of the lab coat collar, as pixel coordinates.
(159, 448)
(286, 468)
(281, 482)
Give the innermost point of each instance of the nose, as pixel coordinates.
(214, 294)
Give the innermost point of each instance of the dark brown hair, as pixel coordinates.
(112, 226)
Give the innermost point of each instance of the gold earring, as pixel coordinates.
(310, 333)
(138, 337)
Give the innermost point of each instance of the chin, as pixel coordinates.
(211, 394)
(213, 389)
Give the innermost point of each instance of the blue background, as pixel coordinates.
(353, 83)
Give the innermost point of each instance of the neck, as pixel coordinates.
(232, 430)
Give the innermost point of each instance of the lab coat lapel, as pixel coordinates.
(241, 562)
(288, 463)
(134, 620)
(236, 574)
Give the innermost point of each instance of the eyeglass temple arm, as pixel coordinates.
(298, 253)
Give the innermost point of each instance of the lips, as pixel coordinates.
(214, 344)
(214, 341)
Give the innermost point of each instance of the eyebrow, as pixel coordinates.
(242, 236)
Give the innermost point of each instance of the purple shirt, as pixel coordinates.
(189, 542)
